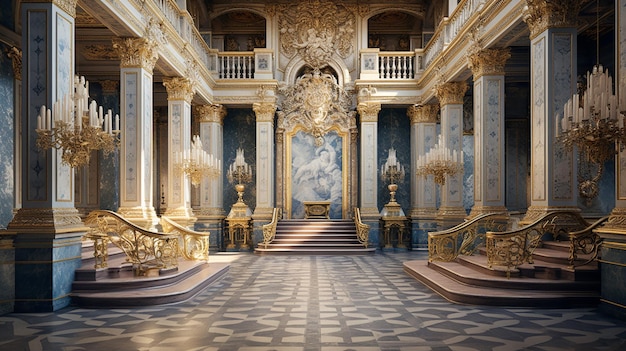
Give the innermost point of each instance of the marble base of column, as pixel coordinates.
(7, 271)
(535, 212)
(423, 221)
(212, 221)
(140, 216)
(448, 217)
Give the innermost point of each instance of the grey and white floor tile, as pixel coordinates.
(314, 303)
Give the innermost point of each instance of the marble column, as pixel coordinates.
(15, 55)
(265, 177)
(553, 81)
(180, 91)
(487, 66)
(210, 213)
(613, 232)
(451, 211)
(368, 112)
(47, 226)
(138, 57)
(423, 189)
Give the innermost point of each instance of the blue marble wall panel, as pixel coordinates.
(7, 134)
(239, 132)
(517, 167)
(7, 275)
(394, 131)
(468, 174)
(7, 10)
(604, 203)
(613, 279)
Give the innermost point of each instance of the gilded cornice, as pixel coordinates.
(368, 111)
(136, 52)
(99, 52)
(423, 113)
(46, 220)
(179, 88)
(543, 14)
(264, 111)
(69, 6)
(15, 55)
(451, 93)
(210, 113)
(109, 86)
(488, 61)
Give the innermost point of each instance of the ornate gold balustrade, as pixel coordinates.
(585, 241)
(269, 230)
(516, 247)
(464, 238)
(193, 245)
(362, 229)
(144, 249)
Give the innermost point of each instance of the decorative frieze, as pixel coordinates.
(488, 61)
(179, 88)
(40, 220)
(210, 113)
(109, 86)
(368, 111)
(15, 54)
(423, 113)
(99, 52)
(451, 93)
(540, 15)
(136, 52)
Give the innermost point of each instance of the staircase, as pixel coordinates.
(315, 237)
(547, 282)
(116, 285)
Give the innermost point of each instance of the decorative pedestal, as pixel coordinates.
(316, 209)
(393, 223)
(239, 227)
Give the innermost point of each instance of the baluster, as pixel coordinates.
(221, 58)
(387, 72)
(380, 67)
(244, 67)
(411, 73)
(394, 68)
(403, 71)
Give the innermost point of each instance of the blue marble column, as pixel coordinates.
(110, 165)
(423, 212)
(265, 177)
(137, 59)
(553, 47)
(613, 233)
(48, 228)
(451, 211)
(370, 215)
(210, 212)
(488, 68)
(180, 91)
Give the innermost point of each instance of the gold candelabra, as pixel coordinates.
(197, 163)
(239, 173)
(439, 162)
(391, 171)
(593, 123)
(77, 127)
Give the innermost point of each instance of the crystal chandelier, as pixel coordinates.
(391, 171)
(239, 173)
(439, 162)
(196, 163)
(77, 127)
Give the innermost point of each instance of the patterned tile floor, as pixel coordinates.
(306, 303)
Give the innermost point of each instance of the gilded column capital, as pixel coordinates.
(109, 86)
(488, 61)
(423, 113)
(210, 113)
(15, 54)
(369, 111)
(451, 93)
(136, 52)
(68, 6)
(540, 15)
(264, 111)
(179, 88)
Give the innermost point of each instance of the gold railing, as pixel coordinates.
(362, 229)
(144, 249)
(516, 247)
(195, 245)
(585, 241)
(464, 238)
(269, 230)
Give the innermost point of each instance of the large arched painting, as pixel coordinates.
(317, 172)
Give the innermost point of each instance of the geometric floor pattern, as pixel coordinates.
(314, 303)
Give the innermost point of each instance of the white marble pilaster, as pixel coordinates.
(180, 91)
(488, 69)
(368, 112)
(138, 57)
(211, 120)
(450, 95)
(264, 159)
